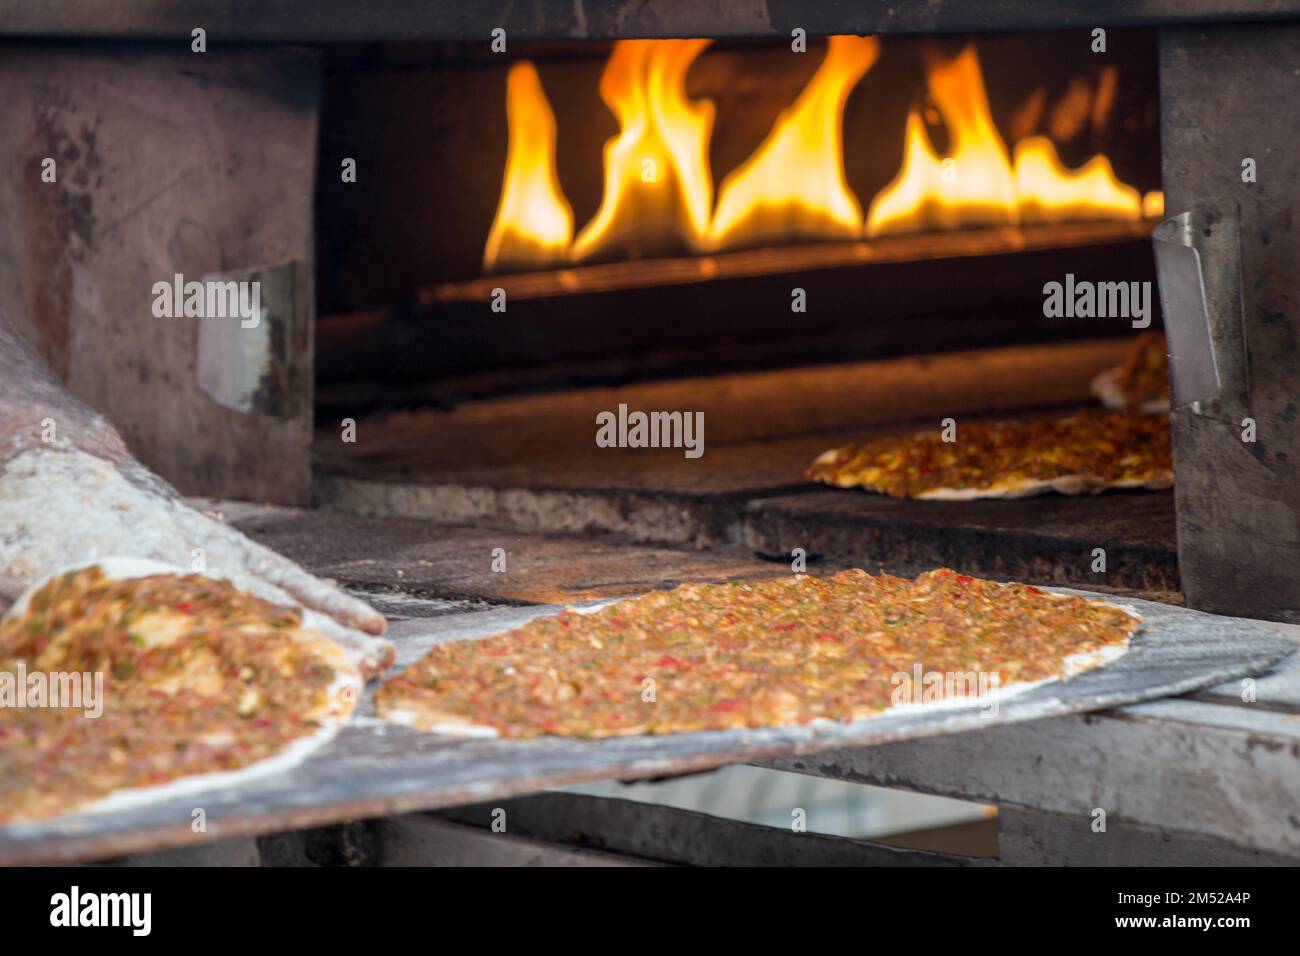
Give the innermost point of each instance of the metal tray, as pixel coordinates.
(374, 769)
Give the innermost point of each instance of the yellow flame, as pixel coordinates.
(534, 222)
(1049, 192)
(1153, 204)
(972, 184)
(977, 184)
(658, 188)
(793, 185)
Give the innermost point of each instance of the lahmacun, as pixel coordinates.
(1084, 453)
(772, 653)
(197, 678)
(1142, 381)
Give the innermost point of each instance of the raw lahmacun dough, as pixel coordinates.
(779, 652)
(202, 685)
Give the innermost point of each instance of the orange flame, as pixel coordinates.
(793, 185)
(972, 184)
(658, 188)
(534, 222)
(1153, 204)
(977, 184)
(1050, 193)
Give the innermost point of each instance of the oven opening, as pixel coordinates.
(788, 245)
(752, 427)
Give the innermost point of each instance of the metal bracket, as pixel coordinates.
(242, 361)
(1198, 264)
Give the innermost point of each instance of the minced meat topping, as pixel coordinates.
(1009, 457)
(196, 677)
(1144, 376)
(777, 652)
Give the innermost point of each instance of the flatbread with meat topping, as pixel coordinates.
(780, 652)
(1080, 454)
(1141, 383)
(198, 682)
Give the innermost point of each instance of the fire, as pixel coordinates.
(658, 187)
(793, 185)
(978, 184)
(534, 222)
(1049, 192)
(973, 184)
(1153, 204)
